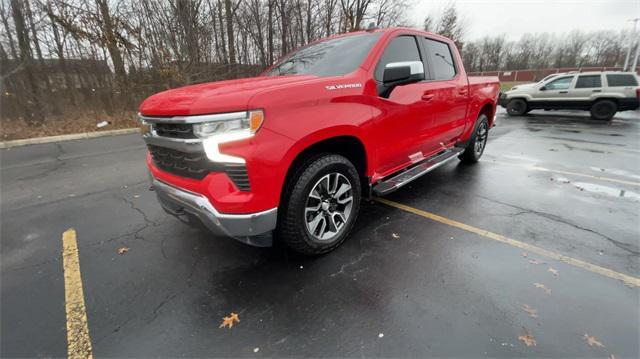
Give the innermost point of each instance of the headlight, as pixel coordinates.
(235, 126)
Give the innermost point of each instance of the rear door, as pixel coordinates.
(587, 87)
(448, 91)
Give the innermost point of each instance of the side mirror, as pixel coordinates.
(402, 73)
(543, 88)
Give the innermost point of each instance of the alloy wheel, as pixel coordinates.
(481, 138)
(328, 206)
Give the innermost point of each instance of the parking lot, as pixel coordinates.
(540, 240)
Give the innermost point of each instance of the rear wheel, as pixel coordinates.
(517, 107)
(478, 141)
(603, 110)
(321, 205)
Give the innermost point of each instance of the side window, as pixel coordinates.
(621, 80)
(402, 48)
(441, 60)
(590, 81)
(562, 83)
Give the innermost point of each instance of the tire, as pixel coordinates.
(517, 107)
(603, 110)
(478, 141)
(316, 215)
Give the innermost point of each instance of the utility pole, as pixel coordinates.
(631, 42)
(635, 58)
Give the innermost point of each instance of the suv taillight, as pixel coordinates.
(638, 93)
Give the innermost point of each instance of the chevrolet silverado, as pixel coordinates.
(291, 153)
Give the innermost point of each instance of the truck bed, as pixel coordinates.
(483, 80)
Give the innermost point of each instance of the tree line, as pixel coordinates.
(106, 55)
(54, 52)
(604, 48)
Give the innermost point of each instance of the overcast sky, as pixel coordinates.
(517, 17)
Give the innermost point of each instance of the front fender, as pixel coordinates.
(329, 133)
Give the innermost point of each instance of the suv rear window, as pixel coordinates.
(619, 80)
(588, 81)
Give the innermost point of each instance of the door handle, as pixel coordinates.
(462, 91)
(563, 92)
(428, 97)
(596, 91)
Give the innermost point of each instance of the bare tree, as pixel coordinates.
(33, 109)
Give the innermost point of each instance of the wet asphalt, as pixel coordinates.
(401, 286)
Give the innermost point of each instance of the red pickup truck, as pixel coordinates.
(294, 151)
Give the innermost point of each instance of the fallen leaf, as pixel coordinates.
(612, 356)
(228, 321)
(395, 235)
(591, 340)
(532, 312)
(527, 338)
(123, 250)
(534, 261)
(525, 254)
(380, 335)
(255, 350)
(553, 270)
(543, 287)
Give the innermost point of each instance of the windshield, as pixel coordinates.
(547, 78)
(333, 57)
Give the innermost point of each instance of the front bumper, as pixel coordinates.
(253, 228)
(502, 100)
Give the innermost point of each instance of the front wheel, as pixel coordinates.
(320, 205)
(477, 142)
(517, 107)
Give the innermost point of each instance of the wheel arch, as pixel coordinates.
(348, 145)
(489, 109)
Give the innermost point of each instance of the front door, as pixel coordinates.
(555, 91)
(403, 120)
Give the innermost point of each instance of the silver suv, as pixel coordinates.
(602, 93)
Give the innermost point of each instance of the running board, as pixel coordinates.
(391, 184)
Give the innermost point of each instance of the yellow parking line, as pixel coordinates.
(78, 340)
(544, 169)
(630, 280)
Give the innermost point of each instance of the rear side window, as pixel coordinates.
(441, 60)
(401, 49)
(562, 83)
(588, 81)
(620, 80)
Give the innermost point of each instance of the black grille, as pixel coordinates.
(239, 176)
(196, 165)
(174, 130)
(192, 165)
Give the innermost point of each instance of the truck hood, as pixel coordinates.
(213, 97)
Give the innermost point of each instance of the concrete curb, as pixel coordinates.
(74, 136)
